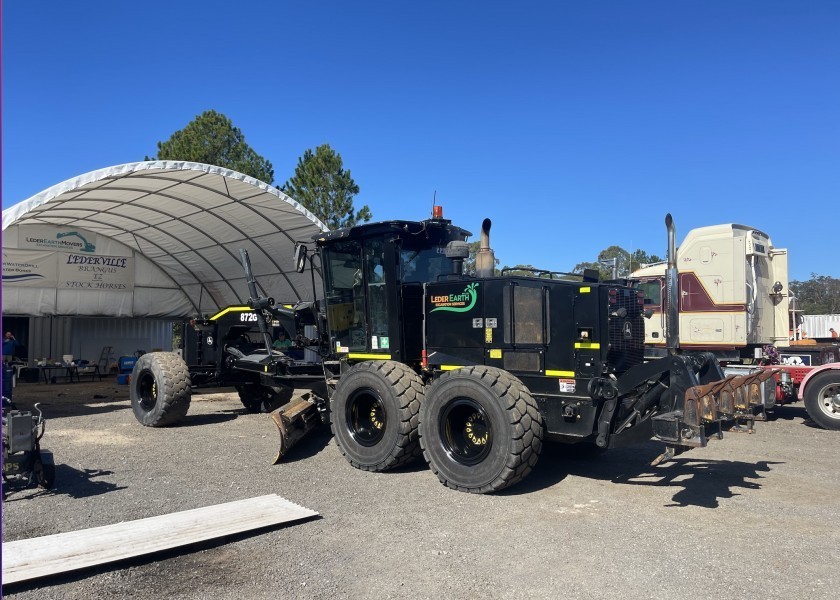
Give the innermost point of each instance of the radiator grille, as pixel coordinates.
(626, 329)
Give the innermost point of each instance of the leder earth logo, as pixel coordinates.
(456, 302)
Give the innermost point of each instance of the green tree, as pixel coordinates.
(321, 184)
(626, 262)
(820, 295)
(640, 258)
(211, 138)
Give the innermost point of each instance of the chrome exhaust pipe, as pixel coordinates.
(485, 259)
(672, 312)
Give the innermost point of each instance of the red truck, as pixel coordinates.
(818, 386)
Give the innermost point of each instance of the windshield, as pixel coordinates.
(426, 265)
(652, 289)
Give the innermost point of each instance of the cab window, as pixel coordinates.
(652, 289)
(345, 296)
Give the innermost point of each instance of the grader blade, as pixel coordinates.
(294, 420)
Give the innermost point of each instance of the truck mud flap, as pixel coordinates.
(710, 409)
(294, 420)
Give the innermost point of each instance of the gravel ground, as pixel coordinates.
(752, 516)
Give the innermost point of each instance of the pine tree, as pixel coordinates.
(212, 139)
(321, 184)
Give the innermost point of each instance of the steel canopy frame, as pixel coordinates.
(188, 219)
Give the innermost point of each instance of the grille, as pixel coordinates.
(522, 361)
(626, 347)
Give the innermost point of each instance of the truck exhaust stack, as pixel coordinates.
(672, 315)
(485, 260)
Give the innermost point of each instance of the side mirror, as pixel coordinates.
(300, 258)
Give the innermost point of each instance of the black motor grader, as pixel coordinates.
(413, 356)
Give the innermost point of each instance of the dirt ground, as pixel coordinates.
(751, 516)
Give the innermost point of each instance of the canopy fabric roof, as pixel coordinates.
(190, 220)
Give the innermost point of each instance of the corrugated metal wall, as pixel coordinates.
(49, 337)
(816, 326)
(84, 337)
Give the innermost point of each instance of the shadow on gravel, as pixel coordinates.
(208, 419)
(788, 413)
(791, 413)
(70, 482)
(698, 482)
(313, 443)
(155, 576)
(54, 410)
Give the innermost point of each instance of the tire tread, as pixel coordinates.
(525, 421)
(409, 392)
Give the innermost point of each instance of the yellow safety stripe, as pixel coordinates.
(587, 345)
(219, 315)
(551, 373)
(585, 290)
(450, 367)
(361, 356)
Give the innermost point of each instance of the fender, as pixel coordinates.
(815, 371)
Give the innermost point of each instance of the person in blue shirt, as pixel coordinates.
(9, 345)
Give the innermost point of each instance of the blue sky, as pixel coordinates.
(572, 125)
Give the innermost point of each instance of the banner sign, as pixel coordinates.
(27, 268)
(105, 273)
(50, 237)
(68, 271)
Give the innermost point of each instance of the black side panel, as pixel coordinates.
(412, 321)
(587, 336)
(560, 353)
(454, 315)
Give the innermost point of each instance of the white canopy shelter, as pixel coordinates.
(152, 239)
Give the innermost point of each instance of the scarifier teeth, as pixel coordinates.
(730, 398)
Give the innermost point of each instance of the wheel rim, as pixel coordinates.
(366, 417)
(829, 400)
(466, 431)
(147, 390)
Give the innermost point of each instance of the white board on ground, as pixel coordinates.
(62, 552)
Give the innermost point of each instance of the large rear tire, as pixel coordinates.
(822, 399)
(375, 413)
(480, 429)
(160, 389)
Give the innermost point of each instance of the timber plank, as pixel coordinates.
(62, 552)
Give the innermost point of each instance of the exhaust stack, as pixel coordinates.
(672, 314)
(485, 260)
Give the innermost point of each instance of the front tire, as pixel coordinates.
(822, 400)
(375, 413)
(160, 389)
(480, 429)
